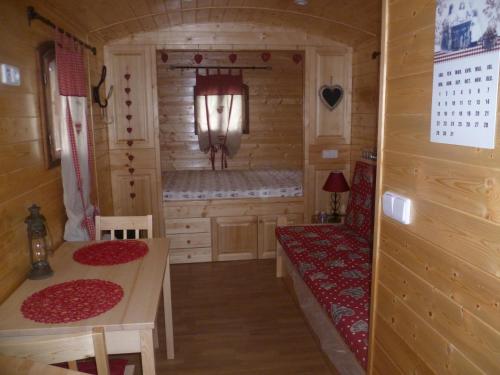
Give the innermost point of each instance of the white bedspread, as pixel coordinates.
(190, 185)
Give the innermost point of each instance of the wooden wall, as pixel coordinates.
(100, 121)
(365, 86)
(24, 179)
(276, 112)
(437, 296)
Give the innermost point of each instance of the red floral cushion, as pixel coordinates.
(359, 213)
(335, 262)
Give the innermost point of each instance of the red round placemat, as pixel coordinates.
(111, 252)
(72, 301)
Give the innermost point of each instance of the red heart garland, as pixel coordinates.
(132, 195)
(164, 57)
(127, 90)
(297, 58)
(128, 103)
(266, 56)
(131, 183)
(127, 76)
(130, 157)
(233, 57)
(131, 170)
(129, 130)
(130, 143)
(129, 117)
(198, 58)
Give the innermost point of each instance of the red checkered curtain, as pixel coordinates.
(77, 141)
(219, 110)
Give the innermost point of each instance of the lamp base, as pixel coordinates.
(40, 270)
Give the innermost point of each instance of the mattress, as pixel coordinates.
(335, 263)
(200, 185)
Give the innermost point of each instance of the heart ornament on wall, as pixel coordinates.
(331, 95)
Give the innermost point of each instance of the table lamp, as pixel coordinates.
(335, 183)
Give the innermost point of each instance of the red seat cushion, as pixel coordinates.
(335, 262)
(359, 212)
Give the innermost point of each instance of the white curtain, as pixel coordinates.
(225, 113)
(77, 203)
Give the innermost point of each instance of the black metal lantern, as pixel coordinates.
(37, 232)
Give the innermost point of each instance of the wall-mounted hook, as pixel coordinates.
(96, 97)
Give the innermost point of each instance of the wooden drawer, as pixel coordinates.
(198, 255)
(187, 226)
(188, 241)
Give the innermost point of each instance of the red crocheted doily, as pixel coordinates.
(111, 252)
(72, 301)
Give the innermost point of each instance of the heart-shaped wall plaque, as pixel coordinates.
(331, 96)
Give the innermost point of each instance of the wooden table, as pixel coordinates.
(19, 366)
(129, 325)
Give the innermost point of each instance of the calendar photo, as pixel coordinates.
(466, 68)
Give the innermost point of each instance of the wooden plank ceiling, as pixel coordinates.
(347, 21)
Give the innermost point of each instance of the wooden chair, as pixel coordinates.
(124, 227)
(57, 349)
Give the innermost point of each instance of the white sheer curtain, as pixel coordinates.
(76, 141)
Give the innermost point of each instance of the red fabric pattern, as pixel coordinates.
(72, 301)
(116, 366)
(70, 67)
(335, 263)
(111, 252)
(359, 213)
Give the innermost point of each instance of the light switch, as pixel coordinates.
(329, 154)
(10, 75)
(397, 207)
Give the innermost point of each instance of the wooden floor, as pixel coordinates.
(237, 318)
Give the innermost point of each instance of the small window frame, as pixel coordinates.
(45, 55)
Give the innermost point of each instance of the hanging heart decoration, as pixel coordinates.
(129, 117)
(198, 58)
(132, 183)
(127, 76)
(164, 56)
(130, 143)
(131, 170)
(266, 56)
(297, 58)
(132, 195)
(233, 57)
(127, 90)
(331, 96)
(129, 130)
(128, 103)
(78, 127)
(220, 109)
(130, 157)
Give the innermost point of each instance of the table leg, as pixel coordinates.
(167, 306)
(147, 352)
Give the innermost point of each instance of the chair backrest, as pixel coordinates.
(360, 207)
(59, 348)
(124, 227)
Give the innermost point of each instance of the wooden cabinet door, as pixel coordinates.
(135, 194)
(234, 238)
(130, 74)
(267, 237)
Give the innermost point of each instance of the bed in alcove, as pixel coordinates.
(231, 214)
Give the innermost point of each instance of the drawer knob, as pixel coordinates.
(189, 256)
(188, 241)
(188, 226)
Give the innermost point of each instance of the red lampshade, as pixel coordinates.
(336, 183)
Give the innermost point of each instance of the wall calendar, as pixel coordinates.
(466, 69)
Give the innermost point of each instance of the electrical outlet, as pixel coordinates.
(329, 154)
(10, 75)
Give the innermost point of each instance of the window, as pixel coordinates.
(50, 105)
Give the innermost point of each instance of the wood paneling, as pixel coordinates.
(275, 112)
(24, 179)
(436, 288)
(349, 22)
